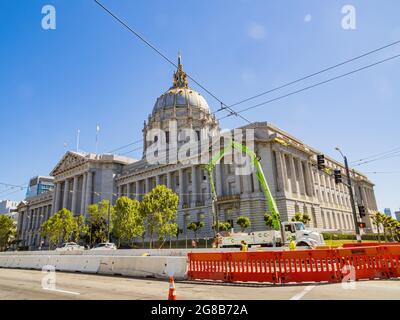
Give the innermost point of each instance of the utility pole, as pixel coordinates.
(353, 204)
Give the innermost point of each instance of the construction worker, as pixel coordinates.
(243, 246)
(292, 243)
(218, 240)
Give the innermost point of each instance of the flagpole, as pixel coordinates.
(97, 139)
(77, 140)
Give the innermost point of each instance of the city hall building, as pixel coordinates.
(290, 167)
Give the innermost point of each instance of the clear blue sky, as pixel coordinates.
(90, 70)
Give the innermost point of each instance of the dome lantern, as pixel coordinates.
(180, 77)
(180, 95)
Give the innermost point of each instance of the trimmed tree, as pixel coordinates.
(80, 228)
(268, 220)
(98, 221)
(298, 217)
(7, 231)
(128, 220)
(195, 227)
(60, 227)
(377, 221)
(159, 208)
(222, 226)
(243, 222)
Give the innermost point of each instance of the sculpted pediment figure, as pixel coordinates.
(69, 160)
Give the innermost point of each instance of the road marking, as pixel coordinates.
(303, 293)
(62, 291)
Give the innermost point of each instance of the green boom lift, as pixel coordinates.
(272, 208)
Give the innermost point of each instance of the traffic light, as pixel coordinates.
(361, 209)
(361, 225)
(321, 161)
(338, 176)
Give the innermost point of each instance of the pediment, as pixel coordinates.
(69, 160)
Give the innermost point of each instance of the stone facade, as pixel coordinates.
(290, 167)
(31, 215)
(81, 179)
(292, 175)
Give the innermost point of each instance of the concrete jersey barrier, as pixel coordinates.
(135, 266)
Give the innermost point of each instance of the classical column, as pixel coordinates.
(181, 196)
(89, 185)
(237, 182)
(34, 217)
(158, 180)
(293, 175)
(55, 197)
(194, 186)
(38, 213)
(285, 180)
(363, 196)
(310, 179)
(280, 179)
(37, 217)
(128, 190)
(83, 194)
(74, 195)
(169, 180)
(47, 213)
(371, 201)
(302, 181)
(147, 185)
(307, 179)
(59, 196)
(218, 179)
(66, 194)
(137, 196)
(375, 207)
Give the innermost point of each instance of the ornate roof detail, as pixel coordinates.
(70, 160)
(180, 77)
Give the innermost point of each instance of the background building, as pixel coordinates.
(388, 212)
(38, 185)
(397, 214)
(31, 214)
(7, 206)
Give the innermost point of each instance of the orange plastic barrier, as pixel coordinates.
(319, 265)
(370, 244)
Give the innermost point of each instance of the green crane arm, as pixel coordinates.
(273, 209)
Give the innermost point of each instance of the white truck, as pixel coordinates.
(268, 238)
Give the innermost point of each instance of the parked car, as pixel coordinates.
(105, 246)
(70, 246)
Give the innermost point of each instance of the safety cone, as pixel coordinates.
(172, 291)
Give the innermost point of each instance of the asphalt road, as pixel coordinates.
(27, 285)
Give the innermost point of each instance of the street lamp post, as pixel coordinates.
(353, 204)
